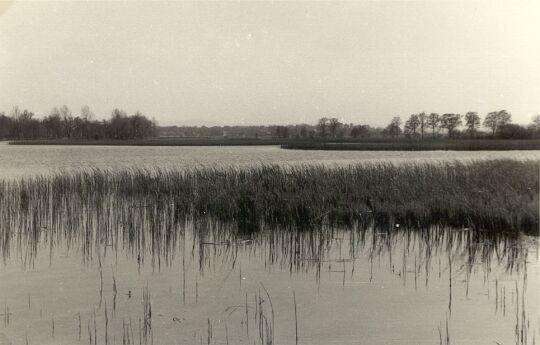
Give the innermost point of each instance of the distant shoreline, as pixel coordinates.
(157, 142)
(434, 145)
(313, 144)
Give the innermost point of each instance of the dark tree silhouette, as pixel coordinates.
(323, 125)
(472, 121)
(412, 124)
(334, 125)
(450, 122)
(433, 121)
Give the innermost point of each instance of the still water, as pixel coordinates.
(17, 161)
(326, 287)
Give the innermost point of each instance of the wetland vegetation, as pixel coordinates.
(495, 195)
(417, 145)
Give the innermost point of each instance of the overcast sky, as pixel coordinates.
(267, 63)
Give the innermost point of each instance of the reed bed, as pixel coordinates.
(424, 145)
(496, 195)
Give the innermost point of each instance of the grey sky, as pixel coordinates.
(267, 63)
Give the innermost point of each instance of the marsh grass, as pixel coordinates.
(497, 195)
(423, 145)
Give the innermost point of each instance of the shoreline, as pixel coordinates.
(305, 144)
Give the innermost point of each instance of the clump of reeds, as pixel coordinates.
(92, 206)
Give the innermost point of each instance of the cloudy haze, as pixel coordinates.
(268, 63)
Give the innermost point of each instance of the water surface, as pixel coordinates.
(144, 281)
(18, 160)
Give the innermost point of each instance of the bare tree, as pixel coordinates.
(495, 120)
(505, 118)
(451, 122)
(491, 121)
(86, 114)
(323, 124)
(412, 124)
(15, 112)
(334, 125)
(67, 120)
(433, 121)
(394, 128)
(53, 124)
(472, 121)
(25, 126)
(119, 124)
(422, 117)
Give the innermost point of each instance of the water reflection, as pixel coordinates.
(127, 272)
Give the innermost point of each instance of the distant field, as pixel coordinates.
(431, 145)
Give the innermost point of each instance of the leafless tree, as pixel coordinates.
(451, 122)
(422, 117)
(334, 126)
(323, 124)
(433, 121)
(472, 121)
(412, 124)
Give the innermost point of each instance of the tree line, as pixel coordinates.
(498, 124)
(62, 123)
(297, 131)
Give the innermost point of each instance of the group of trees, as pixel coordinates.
(420, 124)
(61, 123)
(499, 125)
